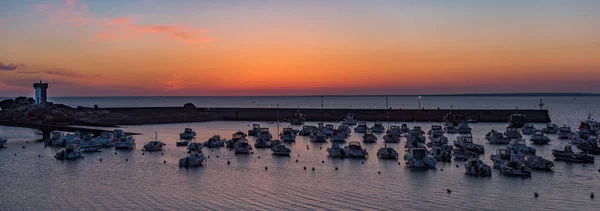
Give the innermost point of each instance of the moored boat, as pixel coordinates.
(281, 150)
(394, 130)
(476, 167)
(378, 127)
(538, 163)
(214, 142)
(242, 147)
(495, 137)
(369, 137)
(188, 133)
(255, 130)
(466, 142)
(564, 132)
(513, 168)
(298, 118)
(550, 129)
(69, 153)
(355, 150)
(3, 142)
(349, 119)
(387, 153)
(194, 159)
(419, 158)
(361, 127)
(128, 142)
(567, 154)
(528, 129)
(538, 137)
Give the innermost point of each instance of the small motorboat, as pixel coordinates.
(394, 130)
(516, 120)
(355, 150)
(336, 151)
(463, 128)
(264, 134)
(389, 138)
(298, 118)
(435, 129)
(582, 137)
(388, 153)
(69, 153)
(418, 158)
(551, 129)
(520, 148)
(339, 136)
(215, 142)
(512, 133)
(188, 133)
(88, 144)
(125, 143)
(437, 136)
(538, 163)
(568, 155)
(281, 150)
(153, 146)
(528, 129)
(417, 130)
(369, 137)
(261, 143)
(495, 137)
(466, 142)
(194, 159)
(236, 137)
(195, 147)
(378, 128)
(361, 127)
(255, 130)
(106, 139)
(242, 147)
(441, 153)
(564, 132)
(591, 148)
(461, 153)
(404, 128)
(349, 119)
(346, 129)
(328, 130)
(413, 144)
(590, 125)
(416, 135)
(307, 130)
(513, 168)
(476, 167)
(451, 129)
(273, 143)
(538, 137)
(54, 137)
(288, 135)
(318, 137)
(502, 156)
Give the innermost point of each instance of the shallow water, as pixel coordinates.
(144, 182)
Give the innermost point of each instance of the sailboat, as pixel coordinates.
(387, 152)
(155, 145)
(280, 149)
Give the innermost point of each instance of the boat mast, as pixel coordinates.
(278, 122)
(387, 116)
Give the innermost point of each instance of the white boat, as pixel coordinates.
(264, 134)
(582, 137)
(435, 129)
(54, 137)
(441, 153)
(242, 147)
(107, 139)
(394, 130)
(590, 125)
(215, 142)
(193, 160)
(288, 135)
(368, 137)
(538, 137)
(153, 146)
(188, 133)
(538, 163)
(550, 129)
(318, 137)
(281, 150)
(68, 139)
(451, 129)
(502, 156)
(339, 136)
(378, 128)
(528, 129)
(467, 143)
(273, 143)
(346, 129)
(255, 130)
(307, 130)
(419, 158)
(237, 136)
(564, 132)
(361, 127)
(512, 133)
(298, 118)
(195, 147)
(513, 168)
(416, 134)
(463, 128)
(476, 167)
(413, 144)
(69, 153)
(328, 130)
(119, 134)
(355, 150)
(388, 138)
(335, 151)
(126, 143)
(404, 128)
(3, 142)
(437, 136)
(460, 153)
(387, 153)
(349, 119)
(495, 137)
(519, 147)
(89, 144)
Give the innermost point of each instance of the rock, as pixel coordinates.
(7, 104)
(189, 105)
(95, 106)
(105, 112)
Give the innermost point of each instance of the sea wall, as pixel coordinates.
(159, 115)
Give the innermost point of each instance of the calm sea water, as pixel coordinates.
(33, 180)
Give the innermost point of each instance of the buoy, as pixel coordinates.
(252, 153)
(456, 166)
(592, 195)
(536, 194)
(23, 147)
(448, 190)
(142, 153)
(313, 169)
(39, 156)
(379, 172)
(362, 162)
(208, 156)
(164, 161)
(305, 168)
(299, 156)
(217, 156)
(336, 168)
(441, 169)
(307, 148)
(322, 161)
(320, 147)
(115, 153)
(228, 162)
(266, 168)
(398, 163)
(212, 150)
(161, 153)
(15, 154)
(27, 142)
(126, 159)
(258, 157)
(100, 159)
(296, 160)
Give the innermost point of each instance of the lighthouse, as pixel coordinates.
(40, 92)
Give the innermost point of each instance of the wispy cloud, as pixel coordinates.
(59, 72)
(10, 67)
(68, 11)
(123, 28)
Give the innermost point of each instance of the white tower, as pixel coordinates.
(40, 92)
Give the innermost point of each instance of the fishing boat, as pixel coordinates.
(69, 153)
(361, 127)
(281, 150)
(551, 129)
(394, 130)
(582, 137)
(502, 156)
(328, 130)
(495, 137)
(355, 150)
(349, 119)
(106, 139)
(513, 168)
(512, 133)
(242, 147)
(476, 167)
(567, 154)
(441, 153)
(378, 127)
(519, 147)
(538, 163)
(264, 134)
(261, 143)
(88, 144)
(125, 143)
(339, 136)
(298, 118)
(404, 128)
(369, 137)
(435, 129)
(437, 136)
(388, 138)
(194, 159)
(388, 153)
(564, 132)
(463, 128)
(236, 137)
(215, 142)
(419, 158)
(288, 135)
(188, 133)
(460, 153)
(591, 148)
(336, 151)
(538, 137)
(154, 145)
(307, 130)
(255, 130)
(318, 137)
(528, 129)
(466, 142)
(516, 120)
(345, 129)
(590, 125)
(273, 143)
(195, 147)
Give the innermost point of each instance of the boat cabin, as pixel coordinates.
(465, 139)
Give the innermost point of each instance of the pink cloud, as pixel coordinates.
(69, 11)
(123, 28)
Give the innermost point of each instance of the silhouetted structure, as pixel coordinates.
(41, 96)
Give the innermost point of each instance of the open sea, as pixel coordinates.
(31, 179)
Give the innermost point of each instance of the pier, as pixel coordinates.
(46, 129)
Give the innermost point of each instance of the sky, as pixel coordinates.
(308, 47)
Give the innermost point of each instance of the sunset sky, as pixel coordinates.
(188, 47)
